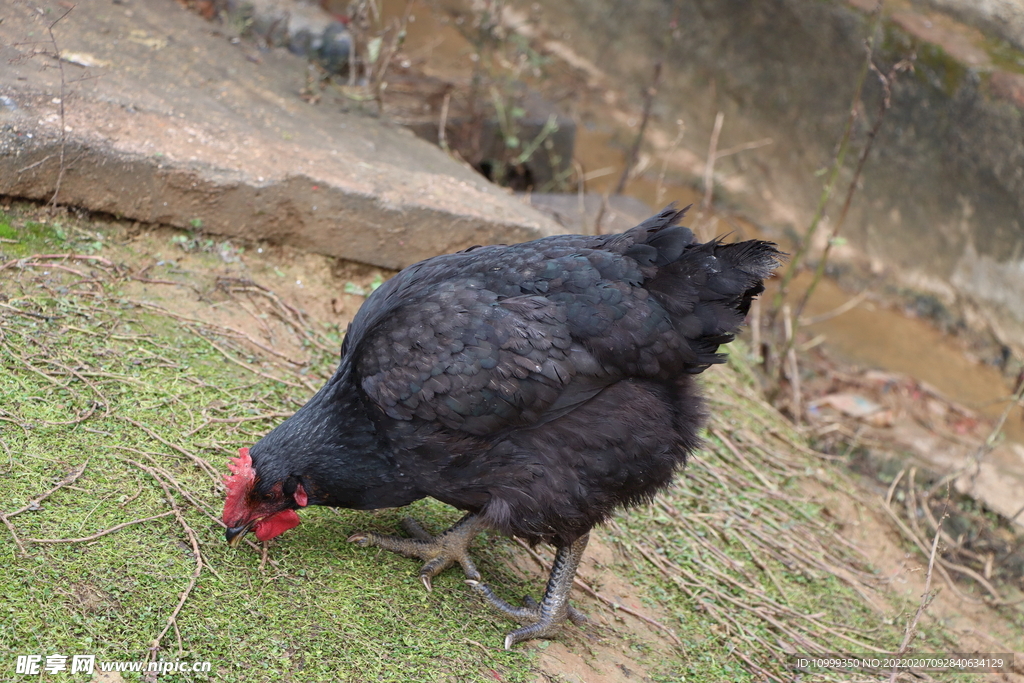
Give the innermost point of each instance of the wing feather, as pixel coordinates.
(503, 364)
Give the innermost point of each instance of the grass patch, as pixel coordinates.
(6, 231)
(78, 372)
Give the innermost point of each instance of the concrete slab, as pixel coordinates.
(169, 121)
(578, 213)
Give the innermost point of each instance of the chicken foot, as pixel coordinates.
(438, 552)
(545, 619)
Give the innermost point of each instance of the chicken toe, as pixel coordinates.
(545, 619)
(437, 552)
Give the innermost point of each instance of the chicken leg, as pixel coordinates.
(438, 552)
(543, 620)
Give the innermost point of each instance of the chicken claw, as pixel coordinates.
(545, 619)
(438, 552)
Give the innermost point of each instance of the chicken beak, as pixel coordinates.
(234, 534)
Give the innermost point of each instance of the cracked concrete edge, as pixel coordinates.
(421, 215)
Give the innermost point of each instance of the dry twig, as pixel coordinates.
(926, 598)
(100, 534)
(63, 95)
(709, 164)
(69, 479)
(650, 93)
(200, 462)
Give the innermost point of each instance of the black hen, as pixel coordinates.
(537, 386)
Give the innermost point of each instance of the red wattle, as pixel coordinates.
(276, 525)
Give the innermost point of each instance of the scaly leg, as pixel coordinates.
(438, 552)
(543, 620)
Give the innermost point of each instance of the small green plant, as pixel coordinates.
(79, 239)
(191, 243)
(374, 46)
(522, 153)
(90, 247)
(228, 252)
(36, 236)
(353, 288)
(510, 117)
(19, 237)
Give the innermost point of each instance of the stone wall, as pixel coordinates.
(1003, 18)
(941, 204)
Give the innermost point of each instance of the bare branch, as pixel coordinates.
(63, 127)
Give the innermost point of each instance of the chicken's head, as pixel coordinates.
(249, 508)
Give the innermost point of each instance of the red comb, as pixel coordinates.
(241, 470)
(238, 484)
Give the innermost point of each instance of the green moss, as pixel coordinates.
(933, 65)
(1004, 55)
(32, 236)
(939, 68)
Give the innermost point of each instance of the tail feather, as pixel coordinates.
(654, 239)
(706, 288)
